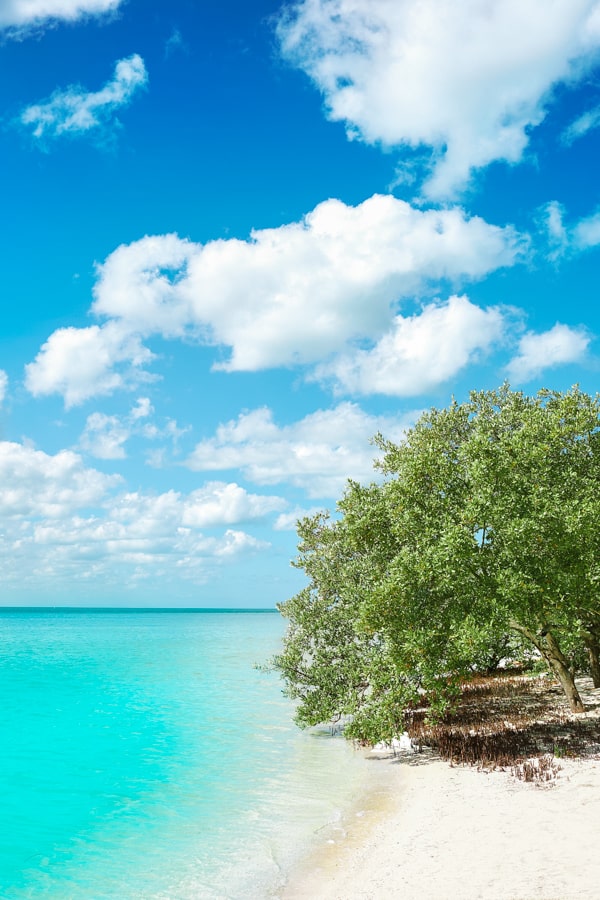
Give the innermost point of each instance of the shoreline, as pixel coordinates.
(455, 833)
(459, 832)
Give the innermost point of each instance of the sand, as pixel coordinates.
(453, 833)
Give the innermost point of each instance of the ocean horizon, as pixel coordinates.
(146, 754)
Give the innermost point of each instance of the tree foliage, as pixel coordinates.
(482, 542)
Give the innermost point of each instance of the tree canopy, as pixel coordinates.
(481, 543)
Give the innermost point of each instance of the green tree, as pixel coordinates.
(486, 526)
(330, 663)
(496, 502)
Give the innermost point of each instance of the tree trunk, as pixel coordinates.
(547, 644)
(593, 648)
(559, 665)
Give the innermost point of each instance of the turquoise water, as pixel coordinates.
(142, 755)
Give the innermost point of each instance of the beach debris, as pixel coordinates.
(537, 768)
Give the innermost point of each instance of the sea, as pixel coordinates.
(148, 755)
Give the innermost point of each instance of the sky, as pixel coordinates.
(239, 239)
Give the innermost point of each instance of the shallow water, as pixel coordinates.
(142, 755)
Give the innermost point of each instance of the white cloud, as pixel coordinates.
(236, 542)
(80, 363)
(569, 239)
(20, 13)
(218, 503)
(131, 551)
(143, 409)
(288, 521)
(104, 436)
(580, 127)
(169, 430)
(586, 233)
(33, 483)
(75, 111)
(552, 220)
(558, 346)
(300, 291)
(3, 385)
(174, 44)
(318, 453)
(145, 285)
(289, 295)
(468, 80)
(420, 352)
(61, 519)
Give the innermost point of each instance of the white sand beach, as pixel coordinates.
(453, 833)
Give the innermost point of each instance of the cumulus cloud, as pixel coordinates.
(236, 542)
(80, 363)
(36, 484)
(420, 351)
(295, 293)
(218, 503)
(68, 520)
(558, 346)
(318, 453)
(3, 385)
(104, 436)
(143, 550)
(289, 295)
(468, 80)
(142, 409)
(19, 14)
(75, 111)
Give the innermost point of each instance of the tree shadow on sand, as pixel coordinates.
(515, 722)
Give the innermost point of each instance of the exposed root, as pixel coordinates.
(519, 723)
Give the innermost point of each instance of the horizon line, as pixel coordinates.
(179, 609)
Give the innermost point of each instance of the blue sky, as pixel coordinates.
(239, 239)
